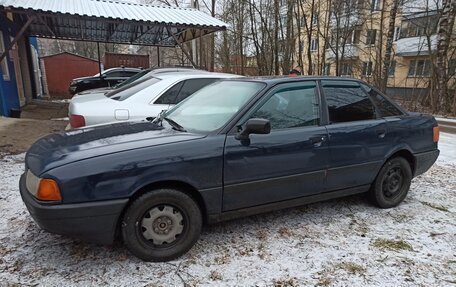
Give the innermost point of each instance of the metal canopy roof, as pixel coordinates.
(111, 21)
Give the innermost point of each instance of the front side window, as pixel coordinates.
(211, 108)
(291, 107)
(384, 106)
(347, 102)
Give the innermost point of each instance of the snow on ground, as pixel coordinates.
(345, 242)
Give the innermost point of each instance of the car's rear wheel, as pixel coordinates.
(161, 225)
(392, 183)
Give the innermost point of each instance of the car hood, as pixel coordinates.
(62, 148)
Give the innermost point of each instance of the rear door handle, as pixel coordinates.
(381, 133)
(317, 141)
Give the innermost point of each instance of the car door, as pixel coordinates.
(357, 135)
(288, 163)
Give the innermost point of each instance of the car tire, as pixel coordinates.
(161, 225)
(392, 183)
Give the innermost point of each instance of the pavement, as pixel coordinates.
(17, 135)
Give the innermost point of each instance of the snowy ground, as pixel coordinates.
(337, 243)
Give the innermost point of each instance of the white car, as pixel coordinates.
(144, 98)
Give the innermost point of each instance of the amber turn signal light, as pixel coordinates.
(48, 190)
(436, 133)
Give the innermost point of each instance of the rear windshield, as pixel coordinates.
(128, 90)
(132, 79)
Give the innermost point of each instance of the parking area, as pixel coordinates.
(345, 242)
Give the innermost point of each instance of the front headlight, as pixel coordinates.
(32, 182)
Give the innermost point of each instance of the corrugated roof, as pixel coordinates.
(112, 21)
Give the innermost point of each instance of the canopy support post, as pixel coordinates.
(182, 48)
(17, 37)
(200, 48)
(99, 59)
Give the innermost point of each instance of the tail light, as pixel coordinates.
(77, 121)
(436, 133)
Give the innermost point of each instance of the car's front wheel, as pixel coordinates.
(161, 225)
(392, 183)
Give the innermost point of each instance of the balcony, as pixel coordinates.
(351, 51)
(415, 46)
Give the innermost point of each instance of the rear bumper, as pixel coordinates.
(424, 161)
(94, 221)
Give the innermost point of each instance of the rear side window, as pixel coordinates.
(347, 102)
(170, 96)
(114, 74)
(128, 74)
(129, 90)
(291, 106)
(385, 107)
(191, 86)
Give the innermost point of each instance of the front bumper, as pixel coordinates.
(92, 221)
(424, 161)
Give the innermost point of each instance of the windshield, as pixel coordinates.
(130, 89)
(132, 79)
(213, 106)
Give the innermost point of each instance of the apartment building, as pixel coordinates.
(349, 39)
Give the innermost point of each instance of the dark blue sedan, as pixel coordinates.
(235, 148)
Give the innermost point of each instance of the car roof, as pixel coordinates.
(122, 68)
(194, 75)
(176, 69)
(271, 80)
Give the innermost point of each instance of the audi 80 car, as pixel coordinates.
(234, 148)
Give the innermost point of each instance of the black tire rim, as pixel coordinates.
(392, 183)
(162, 226)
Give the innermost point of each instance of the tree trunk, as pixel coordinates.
(389, 46)
(445, 29)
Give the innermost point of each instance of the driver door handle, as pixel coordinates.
(317, 141)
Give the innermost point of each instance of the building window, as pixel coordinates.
(397, 33)
(315, 18)
(354, 37)
(367, 69)
(375, 5)
(419, 68)
(345, 69)
(371, 36)
(452, 68)
(392, 68)
(4, 63)
(327, 69)
(313, 45)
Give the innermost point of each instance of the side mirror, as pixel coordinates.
(254, 126)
